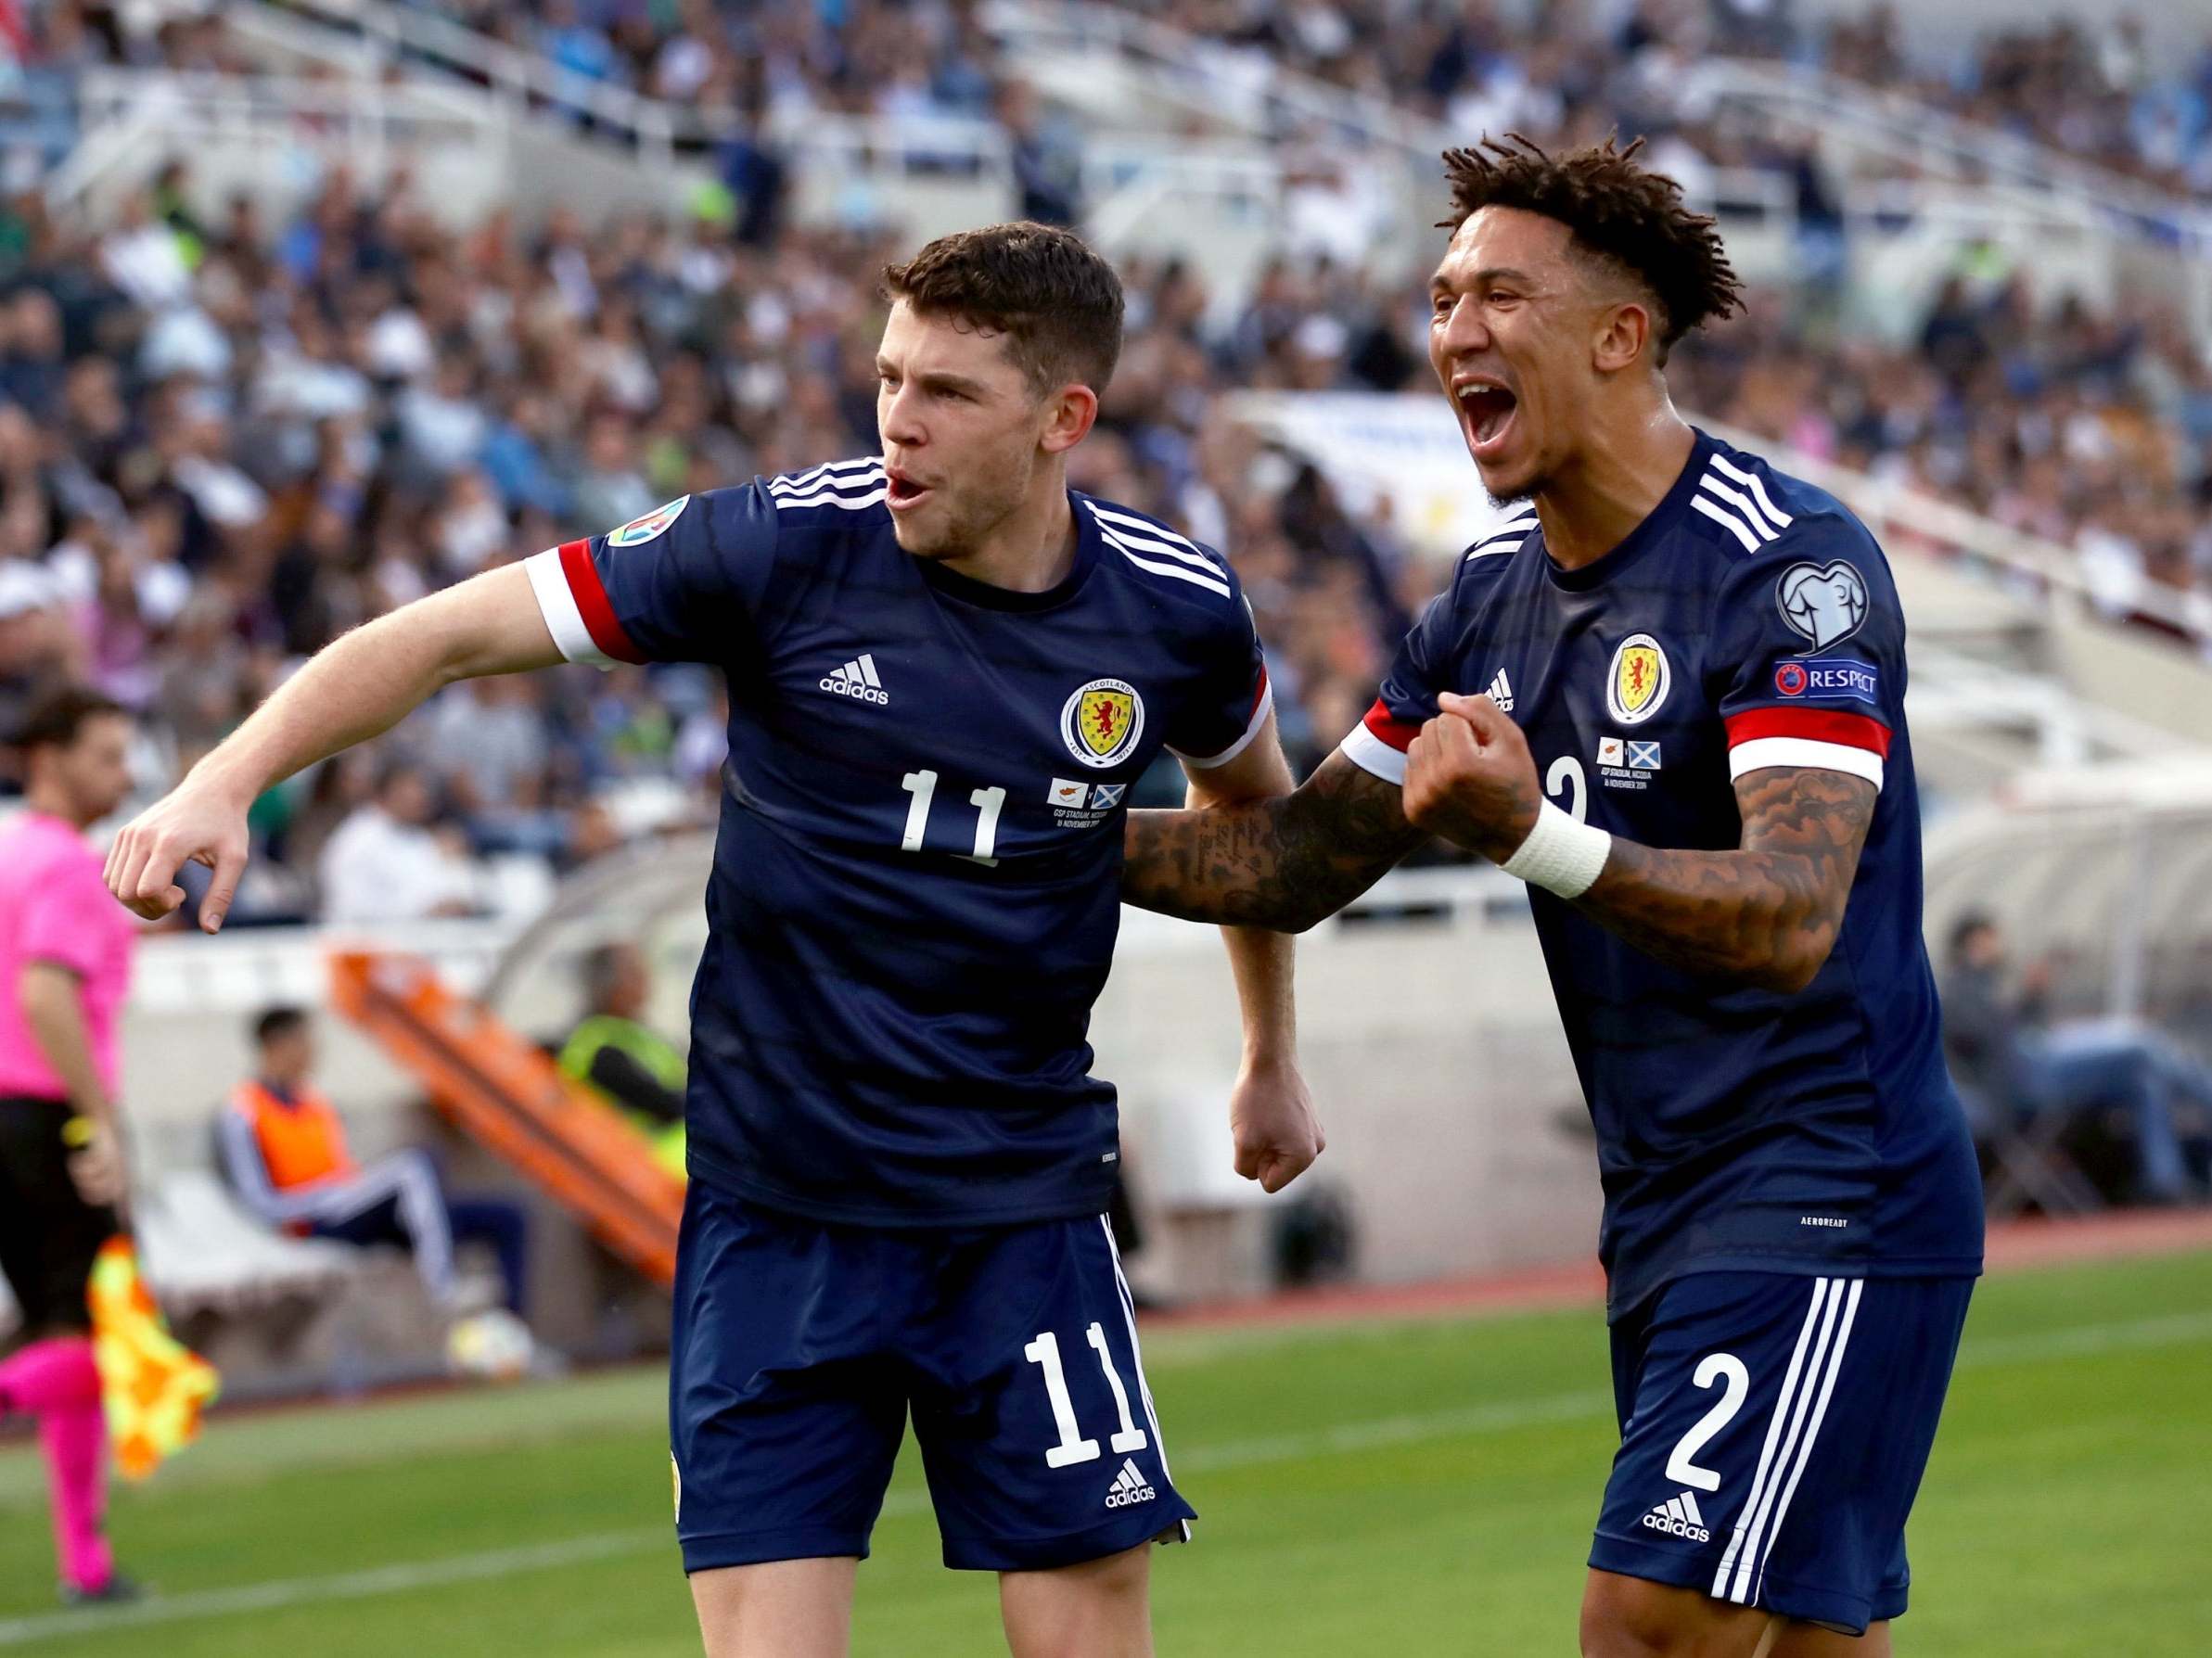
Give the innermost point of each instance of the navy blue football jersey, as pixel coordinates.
(916, 878)
(1749, 621)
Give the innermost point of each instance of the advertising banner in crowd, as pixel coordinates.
(1401, 447)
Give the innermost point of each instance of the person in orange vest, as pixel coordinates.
(284, 1149)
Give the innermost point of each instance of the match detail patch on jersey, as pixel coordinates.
(1638, 680)
(639, 530)
(1827, 602)
(1101, 722)
(1078, 805)
(1625, 763)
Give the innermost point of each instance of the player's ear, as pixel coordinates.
(1069, 413)
(1623, 334)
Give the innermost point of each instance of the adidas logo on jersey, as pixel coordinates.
(858, 681)
(1501, 692)
(1678, 1517)
(1130, 1488)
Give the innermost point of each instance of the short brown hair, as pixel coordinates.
(58, 716)
(1055, 302)
(1627, 216)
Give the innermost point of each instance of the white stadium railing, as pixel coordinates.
(521, 80)
(1911, 176)
(1914, 140)
(129, 116)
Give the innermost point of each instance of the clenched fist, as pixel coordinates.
(1470, 778)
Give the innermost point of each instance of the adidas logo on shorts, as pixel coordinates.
(1678, 1517)
(1130, 1488)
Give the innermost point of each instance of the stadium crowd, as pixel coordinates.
(225, 438)
(2102, 95)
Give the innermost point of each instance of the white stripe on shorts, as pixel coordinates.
(1820, 1410)
(1136, 1353)
(1766, 1455)
(1136, 1358)
(1804, 1402)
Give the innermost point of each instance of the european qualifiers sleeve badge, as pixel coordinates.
(1824, 603)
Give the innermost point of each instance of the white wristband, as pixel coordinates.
(1560, 855)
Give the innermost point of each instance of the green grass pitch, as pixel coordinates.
(1376, 1489)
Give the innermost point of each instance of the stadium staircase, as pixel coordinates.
(508, 1095)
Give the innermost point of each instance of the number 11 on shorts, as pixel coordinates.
(1073, 1447)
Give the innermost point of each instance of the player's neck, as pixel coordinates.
(1031, 550)
(1624, 473)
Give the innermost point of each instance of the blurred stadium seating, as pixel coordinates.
(308, 309)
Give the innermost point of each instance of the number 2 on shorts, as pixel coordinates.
(1727, 1369)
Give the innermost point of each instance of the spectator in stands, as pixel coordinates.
(1047, 164)
(388, 862)
(2009, 1055)
(284, 1153)
(626, 1059)
(341, 404)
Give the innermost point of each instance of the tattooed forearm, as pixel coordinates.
(1766, 914)
(1285, 863)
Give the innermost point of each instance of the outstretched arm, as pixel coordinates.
(1284, 863)
(1766, 913)
(355, 688)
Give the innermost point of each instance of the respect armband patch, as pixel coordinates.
(1830, 679)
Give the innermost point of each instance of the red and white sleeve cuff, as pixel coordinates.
(574, 601)
(1378, 743)
(1263, 704)
(1817, 739)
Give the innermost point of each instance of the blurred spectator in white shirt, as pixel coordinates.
(386, 862)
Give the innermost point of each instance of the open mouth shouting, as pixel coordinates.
(904, 492)
(1486, 412)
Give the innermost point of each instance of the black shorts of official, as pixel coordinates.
(48, 1235)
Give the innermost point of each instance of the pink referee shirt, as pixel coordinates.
(55, 907)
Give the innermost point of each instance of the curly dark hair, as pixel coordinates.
(1057, 302)
(1627, 216)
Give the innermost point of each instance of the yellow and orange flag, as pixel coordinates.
(152, 1386)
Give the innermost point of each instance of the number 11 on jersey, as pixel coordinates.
(922, 785)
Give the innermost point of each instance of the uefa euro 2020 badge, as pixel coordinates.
(651, 525)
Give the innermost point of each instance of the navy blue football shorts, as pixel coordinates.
(802, 1346)
(1773, 1430)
